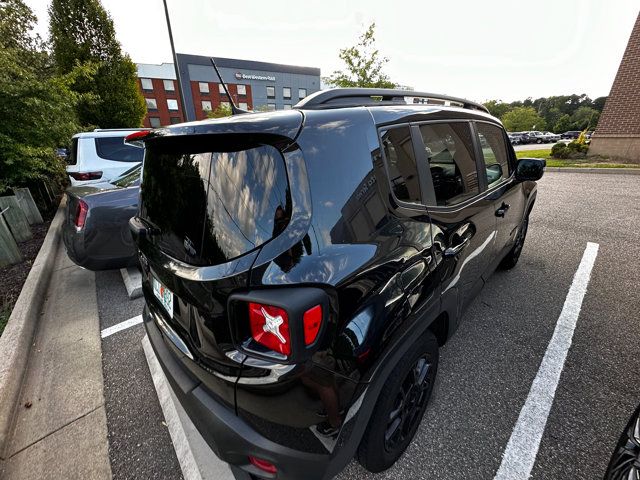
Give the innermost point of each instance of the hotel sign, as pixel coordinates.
(250, 76)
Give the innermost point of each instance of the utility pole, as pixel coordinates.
(175, 63)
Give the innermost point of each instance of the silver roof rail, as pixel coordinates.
(371, 97)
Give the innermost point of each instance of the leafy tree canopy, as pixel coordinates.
(560, 113)
(363, 65)
(523, 118)
(82, 33)
(37, 108)
(220, 111)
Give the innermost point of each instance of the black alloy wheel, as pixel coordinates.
(625, 461)
(409, 404)
(400, 405)
(513, 256)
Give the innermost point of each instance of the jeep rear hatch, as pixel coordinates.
(212, 194)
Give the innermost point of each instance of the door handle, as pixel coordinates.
(451, 251)
(502, 210)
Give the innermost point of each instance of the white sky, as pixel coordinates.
(478, 49)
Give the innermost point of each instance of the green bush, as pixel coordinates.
(572, 150)
(560, 150)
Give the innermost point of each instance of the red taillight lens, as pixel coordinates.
(263, 465)
(136, 136)
(81, 214)
(270, 327)
(82, 176)
(312, 320)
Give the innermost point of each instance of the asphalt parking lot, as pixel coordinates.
(486, 370)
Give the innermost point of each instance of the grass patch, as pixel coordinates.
(590, 162)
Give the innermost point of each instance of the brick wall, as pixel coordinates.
(160, 95)
(215, 97)
(621, 113)
(166, 116)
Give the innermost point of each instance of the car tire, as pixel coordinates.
(400, 406)
(513, 256)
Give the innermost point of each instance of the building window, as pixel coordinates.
(286, 93)
(286, 106)
(243, 105)
(271, 92)
(203, 87)
(172, 104)
(169, 86)
(206, 105)
(225, 105)
(221, 88)
(147, 84)
(151, 103)
(174, 120)
(302, 92)
(271, 107)
(154, 122)
(242, 89)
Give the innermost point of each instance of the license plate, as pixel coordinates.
(165, 296)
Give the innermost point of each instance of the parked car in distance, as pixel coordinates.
(515, 138)
(302, 268)
(550, 137)
(570, 135)
(101, 156)
(96, 230)
(624, 464)
(526, 138)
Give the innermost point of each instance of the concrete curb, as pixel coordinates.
(619, 171)
(16, 340)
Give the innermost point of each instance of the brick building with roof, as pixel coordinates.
(618, 132)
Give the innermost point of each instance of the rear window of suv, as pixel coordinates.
(213, 206)
(114, 148)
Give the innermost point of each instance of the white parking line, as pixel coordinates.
(196, 459)
(121, 326)
(522, 448)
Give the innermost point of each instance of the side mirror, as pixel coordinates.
(530, 169)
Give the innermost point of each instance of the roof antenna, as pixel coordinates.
(234, 109)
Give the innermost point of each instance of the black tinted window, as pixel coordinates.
(494, 151)
(401, 162)
(449, 150)
(214, 206)
(114, 148)
(247, 201)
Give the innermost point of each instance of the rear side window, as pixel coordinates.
(213, 206)
(72, 158)
(114, 148)
(494, 151)
(401, 162)
(449, 151)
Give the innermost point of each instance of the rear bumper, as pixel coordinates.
(75, 245)
(230, 437)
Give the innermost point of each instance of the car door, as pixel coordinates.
(463, 220)
(497, 166)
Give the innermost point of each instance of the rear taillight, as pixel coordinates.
(263, 465)
(312, 320)
(270, 327)
(83, 176)
(81, 214)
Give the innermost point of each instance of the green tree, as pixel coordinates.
(37, 108)
(523, 118)
(497, 108)
(363, 65)
(585, 118)
(82, 33)
(563, 124)
(220, 111)
(599, 102)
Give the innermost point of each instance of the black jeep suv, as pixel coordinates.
(302, 268)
